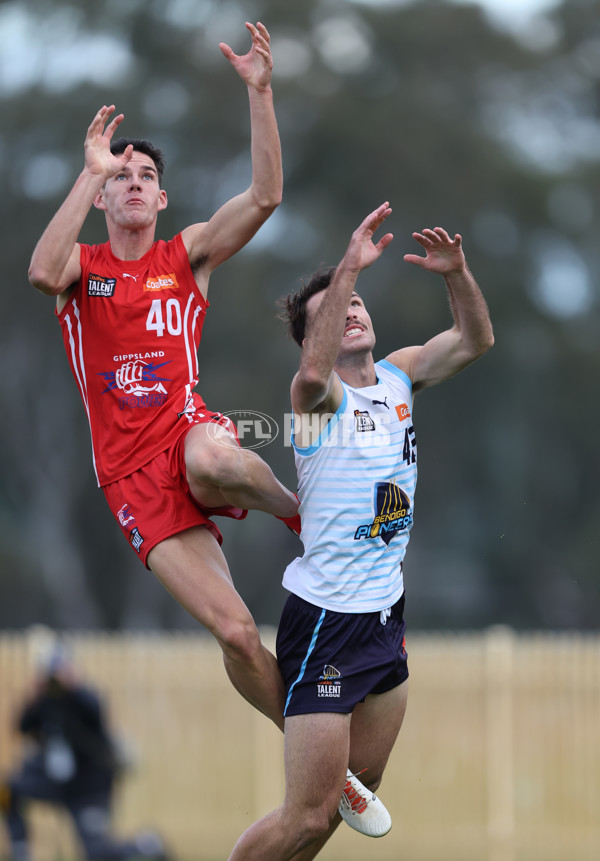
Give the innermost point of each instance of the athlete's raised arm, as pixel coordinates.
(211, 243)
(331, 316)
(55, 261)
(471, 334)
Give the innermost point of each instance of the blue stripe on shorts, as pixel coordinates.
(305, 661)
(332, 661)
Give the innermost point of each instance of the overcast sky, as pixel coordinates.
(511, 13)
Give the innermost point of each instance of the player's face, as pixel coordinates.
(358, 330)
(133, 197)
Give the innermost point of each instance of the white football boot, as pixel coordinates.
(362, 810)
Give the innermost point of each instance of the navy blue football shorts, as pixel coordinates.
(331, 661)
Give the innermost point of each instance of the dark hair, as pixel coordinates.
(293, 307)
(141, 145)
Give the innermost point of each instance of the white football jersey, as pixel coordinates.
(356, 486)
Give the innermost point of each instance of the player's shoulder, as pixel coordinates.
(394, 369)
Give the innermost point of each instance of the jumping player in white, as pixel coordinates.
(340, 643)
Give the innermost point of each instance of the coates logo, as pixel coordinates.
(254, 429)
(161, 282)
(403, 412)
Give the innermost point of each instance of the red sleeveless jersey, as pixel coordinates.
(131, 330)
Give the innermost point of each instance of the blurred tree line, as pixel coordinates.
(422, 103)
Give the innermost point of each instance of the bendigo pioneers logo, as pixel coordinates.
(392, 513)
(329, 684)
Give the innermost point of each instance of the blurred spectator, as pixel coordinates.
(74, 765)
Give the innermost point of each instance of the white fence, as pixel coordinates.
(498, 759)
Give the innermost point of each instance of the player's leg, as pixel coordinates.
(374, 728)
(373, 732)
(219, 472)
(316, 755)
(192, 567)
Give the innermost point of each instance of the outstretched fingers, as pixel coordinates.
(97, 126)
(384, 242)
(227, 51)
(441, 251)
(436, 238)
(261, 45)
(98, 156)
(113, 125)
(378, 216)
(363, 250)
(261, 40)
(375, 219)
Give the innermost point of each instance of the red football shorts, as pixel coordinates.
(155, 502)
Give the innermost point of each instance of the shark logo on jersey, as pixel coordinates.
(392, 513)
(139, 382)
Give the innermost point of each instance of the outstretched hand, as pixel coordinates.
(98, 157)
(362, 250)
(254, 68)
(443, 255)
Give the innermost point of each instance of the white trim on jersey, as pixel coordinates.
(79, 370)
(187, 334)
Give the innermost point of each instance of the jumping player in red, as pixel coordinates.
(131, 312)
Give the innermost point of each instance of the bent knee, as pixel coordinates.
(308, 826)
(214, 463)
(318, 822)
(240, 640)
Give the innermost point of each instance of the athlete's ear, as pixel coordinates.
(99, 199)
(162, 200)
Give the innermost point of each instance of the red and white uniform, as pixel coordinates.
(131, 330)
